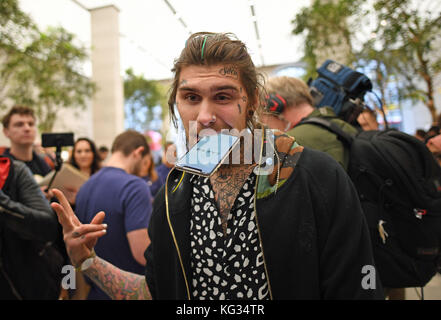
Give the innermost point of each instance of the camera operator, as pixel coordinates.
(290, 101)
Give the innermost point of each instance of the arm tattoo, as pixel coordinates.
(118, 284)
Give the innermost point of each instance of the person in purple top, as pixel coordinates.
(118, 190)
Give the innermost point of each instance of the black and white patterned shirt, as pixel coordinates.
(230, 266)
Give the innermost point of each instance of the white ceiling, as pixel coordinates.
(152, 36)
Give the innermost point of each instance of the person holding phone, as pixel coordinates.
(289, 227)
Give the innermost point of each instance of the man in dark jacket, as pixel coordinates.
(285, 226)
(29, 266)
(19, 126)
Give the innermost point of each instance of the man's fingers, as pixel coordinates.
(63, 218)
(65, 204)
(91, 236)
(99, 218)
(81, 231)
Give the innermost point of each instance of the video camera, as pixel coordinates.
(57, 140)
(341, 88)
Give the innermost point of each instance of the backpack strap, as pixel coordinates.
(344, 137)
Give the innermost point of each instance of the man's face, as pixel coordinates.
(21, 130)
(142, 165)
(367, 121)
(212, 96)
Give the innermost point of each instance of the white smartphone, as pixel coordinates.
(207, 154)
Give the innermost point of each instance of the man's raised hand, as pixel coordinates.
(79, 238)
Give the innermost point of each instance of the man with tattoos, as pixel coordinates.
(290, 227)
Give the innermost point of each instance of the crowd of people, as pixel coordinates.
(143, 230)
(26, 162)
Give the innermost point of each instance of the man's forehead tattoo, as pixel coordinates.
(230, 72)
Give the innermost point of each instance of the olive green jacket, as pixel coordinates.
(318, 138)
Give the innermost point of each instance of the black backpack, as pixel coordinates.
(399, 185)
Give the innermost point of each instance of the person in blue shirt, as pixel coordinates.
(118, 190)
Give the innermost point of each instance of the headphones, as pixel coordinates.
(275, 103)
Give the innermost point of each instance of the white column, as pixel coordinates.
(108, 102)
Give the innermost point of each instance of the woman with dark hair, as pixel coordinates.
(85, 156)
(86, 159)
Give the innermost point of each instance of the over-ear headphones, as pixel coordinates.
(275, 103)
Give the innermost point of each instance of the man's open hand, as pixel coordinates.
(79, 238)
